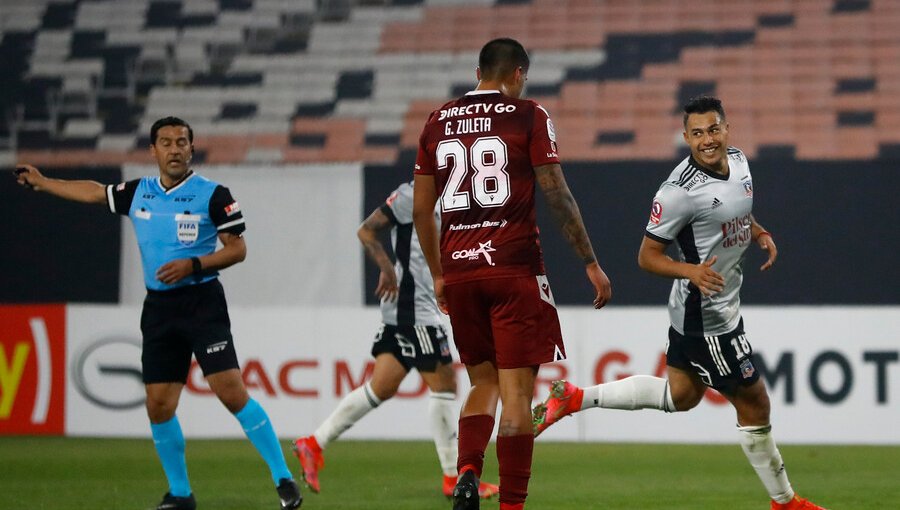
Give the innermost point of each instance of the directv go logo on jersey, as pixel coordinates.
(32, 369)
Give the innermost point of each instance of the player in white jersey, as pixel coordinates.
(411, 336)
(705, 207)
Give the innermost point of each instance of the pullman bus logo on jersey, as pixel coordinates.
(476, 253)
(485, 224)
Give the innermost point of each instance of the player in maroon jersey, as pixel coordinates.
(480, 156)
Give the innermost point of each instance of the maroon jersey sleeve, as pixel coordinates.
(543, 147)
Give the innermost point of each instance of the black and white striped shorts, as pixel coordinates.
(419, 347)
(723, 362)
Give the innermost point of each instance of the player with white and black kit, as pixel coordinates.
(411, 336)
(705, 207)
(709, 216)
(414, 304)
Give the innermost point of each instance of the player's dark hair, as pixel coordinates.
(169, 121)
(500, 57)
(703, 104)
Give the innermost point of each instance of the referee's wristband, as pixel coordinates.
(195, 263)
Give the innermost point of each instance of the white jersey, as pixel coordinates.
(415, 303)
(707, 214)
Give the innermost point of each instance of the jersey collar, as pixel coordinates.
(171, 190)
(481, 92)
(715, 175)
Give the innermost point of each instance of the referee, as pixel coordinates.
(177, 218)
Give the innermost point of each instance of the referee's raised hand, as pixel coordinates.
(28, 176)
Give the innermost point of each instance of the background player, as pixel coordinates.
(705, 207)
(411, 336)
(480, 155)
(177, 219)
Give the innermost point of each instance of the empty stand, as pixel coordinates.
(275, 81)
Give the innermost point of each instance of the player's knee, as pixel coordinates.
(234, 403)
(751, 415)
(752, 404)
(762, 408)
(233, 397)
(160, 410)
(443, 385)
(685, 405)
(686, 400)
(385, 395)
(384, 391)
(754, 412)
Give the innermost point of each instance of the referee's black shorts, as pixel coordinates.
(179, 322)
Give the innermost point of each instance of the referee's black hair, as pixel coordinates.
(704, 104)
(500, 57)
(169, 121)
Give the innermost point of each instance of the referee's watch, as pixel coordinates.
(195, 263)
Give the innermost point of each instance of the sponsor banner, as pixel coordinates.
(32, 369)
(298, 363)
(833, 374)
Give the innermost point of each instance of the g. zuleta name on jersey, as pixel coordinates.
(484, 224)
(467, 126)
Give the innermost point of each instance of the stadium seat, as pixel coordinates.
(95, 74)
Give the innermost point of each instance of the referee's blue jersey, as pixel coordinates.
(177, 223)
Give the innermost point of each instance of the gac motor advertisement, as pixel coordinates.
(833, 374)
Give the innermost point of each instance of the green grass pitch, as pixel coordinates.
(71, 473)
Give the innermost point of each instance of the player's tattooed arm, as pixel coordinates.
(564, 209)
(368, 236)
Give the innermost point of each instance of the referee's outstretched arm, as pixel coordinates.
(90, 192)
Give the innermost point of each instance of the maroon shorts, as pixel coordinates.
(511, 322)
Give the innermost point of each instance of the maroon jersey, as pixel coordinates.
(482, 149)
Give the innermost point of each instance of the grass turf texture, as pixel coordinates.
(71, 473)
